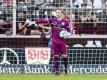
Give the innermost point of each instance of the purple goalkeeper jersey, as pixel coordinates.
(57, 27)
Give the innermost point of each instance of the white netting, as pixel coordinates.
(87, 19)
(76, 56)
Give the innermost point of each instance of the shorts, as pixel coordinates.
(59, 48)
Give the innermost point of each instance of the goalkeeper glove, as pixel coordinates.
(29, 22)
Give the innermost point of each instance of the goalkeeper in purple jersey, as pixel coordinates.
(58, 44)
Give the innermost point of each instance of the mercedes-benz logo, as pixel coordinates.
(5, 61)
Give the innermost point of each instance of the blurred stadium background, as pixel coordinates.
(24, 49)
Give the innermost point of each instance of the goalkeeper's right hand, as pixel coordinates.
(29, 22)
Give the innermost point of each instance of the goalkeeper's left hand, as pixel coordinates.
(67, 36)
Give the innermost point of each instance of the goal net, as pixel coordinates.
(25, 47)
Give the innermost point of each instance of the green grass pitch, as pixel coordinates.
(53, 77)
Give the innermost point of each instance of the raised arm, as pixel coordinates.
(42, 21)
(39, 23)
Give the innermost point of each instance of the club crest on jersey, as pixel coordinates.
(63, 23)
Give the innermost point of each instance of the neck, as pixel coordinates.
(59, 18)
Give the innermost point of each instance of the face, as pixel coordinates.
(58, 13)
(85, 1)
(21, 15)
(21, 4)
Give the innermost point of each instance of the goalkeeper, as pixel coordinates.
(58, 43)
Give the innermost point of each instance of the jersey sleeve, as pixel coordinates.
(42, 21)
